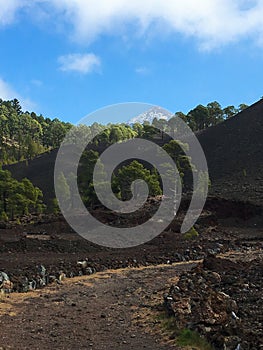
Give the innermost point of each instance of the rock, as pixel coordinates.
(89, 271)
(3, 277)
(6, 286)
(42, 270)
(234, 315)
(62, 277)
(197, 303)
(83, 264)
(32, 285)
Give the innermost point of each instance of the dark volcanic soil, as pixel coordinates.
(110, 311)
(53, 244)
(234, 157)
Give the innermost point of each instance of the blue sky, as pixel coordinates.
(67, 58)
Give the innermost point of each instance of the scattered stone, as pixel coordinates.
(6, 286)
(211, 300)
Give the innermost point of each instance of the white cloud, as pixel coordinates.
(81, 63)
(8, 10)
(8, 93)
(212, 22)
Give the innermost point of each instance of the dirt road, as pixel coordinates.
(102, 311)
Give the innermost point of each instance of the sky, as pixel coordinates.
(66, 58)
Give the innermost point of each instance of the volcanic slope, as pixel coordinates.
(233, 150)
(234, 155)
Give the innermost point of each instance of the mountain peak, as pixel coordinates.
(150, 115)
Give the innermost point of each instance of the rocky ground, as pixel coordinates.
(90, 312)
(44, 249)
(222, 300)
(121, 310)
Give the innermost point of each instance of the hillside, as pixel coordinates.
(234, 154)
(233, 151)
(39, 171)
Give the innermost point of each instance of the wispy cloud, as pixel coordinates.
(142, 70)
(212, 23)
(81, 63)
(9, 9)
(8, 93)
(37, 82)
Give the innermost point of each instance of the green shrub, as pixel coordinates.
(191, 234)
(190, 338)
(185, 338)
(3, 216)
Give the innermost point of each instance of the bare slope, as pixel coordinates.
(234, 155)
(39, 170)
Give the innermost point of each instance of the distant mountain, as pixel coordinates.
(148, 116)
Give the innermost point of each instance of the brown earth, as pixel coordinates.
(94, 312)
(121, 309)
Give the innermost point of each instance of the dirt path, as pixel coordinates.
(93, 312)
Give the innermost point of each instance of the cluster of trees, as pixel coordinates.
(115, 133)
(107, 135)
(18, 198)
(201, 117)
(121, 181)
(24, 135)
(124, 176)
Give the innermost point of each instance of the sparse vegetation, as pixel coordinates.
(168, 324)
(191, 234)
(186, 337)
